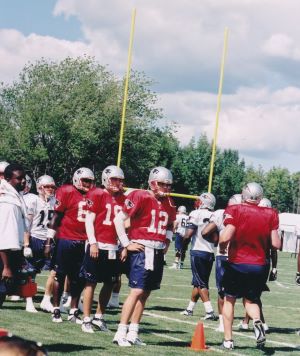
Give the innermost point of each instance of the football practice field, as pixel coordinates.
(165, 331)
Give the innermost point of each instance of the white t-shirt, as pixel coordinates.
(42, 213)
(181, 221)
(200, 218)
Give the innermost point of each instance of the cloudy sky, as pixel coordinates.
(178, 43)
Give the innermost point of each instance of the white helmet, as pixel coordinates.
(160, 174)
(252, 193)
(82, 173)
(28, 183)
(235, 199)
(208, 201)
(44, 181)
(181, 209)
(265, 202)
(3, 165)
(112, 172)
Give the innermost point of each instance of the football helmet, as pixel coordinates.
(252, 193)
(3, 165)
(235, 199)
(112, 172)
(160, 175)
(208, 201)
(83, 173)
(45, 185)
(265, 202)
(28, 184)
(182, 209)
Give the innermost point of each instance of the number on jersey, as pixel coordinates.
(158, 224)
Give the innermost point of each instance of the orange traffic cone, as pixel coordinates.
(198, 340)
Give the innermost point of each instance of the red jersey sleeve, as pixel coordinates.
(61, 196)
(93, 199)
(230, 215)
(131, 204)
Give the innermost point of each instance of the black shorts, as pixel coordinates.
(38, 261)
(201, 263)
(68, 257)
(101, 269)
(141, 278)
(244, 281)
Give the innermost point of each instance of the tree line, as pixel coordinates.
(59, 116)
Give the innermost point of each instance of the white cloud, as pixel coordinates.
(282, 45)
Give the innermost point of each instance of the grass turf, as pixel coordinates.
(165, 331)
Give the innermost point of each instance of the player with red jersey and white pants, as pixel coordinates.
(250, 231)
(151, 214)
(101, 261)
(68, 227)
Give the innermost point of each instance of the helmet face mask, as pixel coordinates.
(45, 186)
(83, 179)
(160, 181)
(113, 179)
(207, 201)
(252, 193)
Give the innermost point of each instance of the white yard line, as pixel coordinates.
(158, 316)
(281, 285)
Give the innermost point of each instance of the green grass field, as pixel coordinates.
(165, 331)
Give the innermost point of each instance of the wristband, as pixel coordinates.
(50, 233)
(124, 240)
(92, 239)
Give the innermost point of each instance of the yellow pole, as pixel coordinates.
(126, 87)
(178, 195)
(213, 155)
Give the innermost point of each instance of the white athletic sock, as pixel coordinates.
(29, 302)
(122, 330)
(191, 305)
(133, 330)
(99, 316)
(65, 295)
(208, 307)
(46, 298)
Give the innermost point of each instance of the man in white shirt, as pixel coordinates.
(13, 225)
(179, 230)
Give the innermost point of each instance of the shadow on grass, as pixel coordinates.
(282, 330)
(70, 347)
(163, 308)
(170, 343)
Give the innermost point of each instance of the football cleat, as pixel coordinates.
(15, 298)
(87, 326)
(298, 332)
(297, 278)
(56, 317)
(30, 308)
(100, 324)
(74, 317)
(187, 312)
(121, 341)
(210, 316)
(259, 332)
(243, 326)
(228, 344)
(174, 266)
(135, 340)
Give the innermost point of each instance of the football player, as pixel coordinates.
(249, 232)
(211, 232)
(68, 227)
(40, 210)
(152, 214)
(202, 254)
(101, 261)
(179, 230)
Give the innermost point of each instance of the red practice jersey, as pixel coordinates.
(106, 207)
(149, 217)
(73, 205)
(252, 240)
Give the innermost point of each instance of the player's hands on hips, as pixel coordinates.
(123, 255)
(297, 278)
(27, 252)
(94, 250)
(134, 246)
